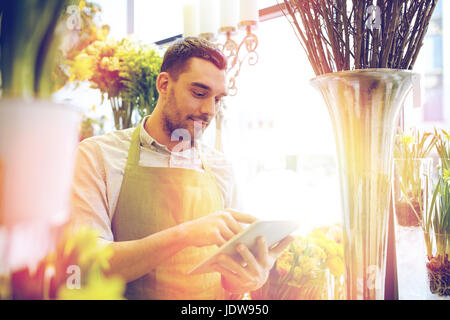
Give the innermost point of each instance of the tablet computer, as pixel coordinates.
(273, 232)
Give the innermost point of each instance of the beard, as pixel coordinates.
(177, 124)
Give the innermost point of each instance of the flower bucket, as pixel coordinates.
(38, 141)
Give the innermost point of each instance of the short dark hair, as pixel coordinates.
(176, 56)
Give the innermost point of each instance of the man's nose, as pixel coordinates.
(209, 106)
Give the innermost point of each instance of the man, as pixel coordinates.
(160, 202)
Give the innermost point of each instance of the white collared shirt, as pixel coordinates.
(100, 167)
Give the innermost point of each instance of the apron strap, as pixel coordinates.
(133, 152)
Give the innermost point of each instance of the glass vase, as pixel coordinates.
(364, 107)
(122, 112)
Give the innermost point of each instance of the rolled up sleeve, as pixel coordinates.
(89, 205)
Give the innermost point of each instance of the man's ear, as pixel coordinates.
(162, 83)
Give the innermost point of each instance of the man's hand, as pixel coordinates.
(216, 228)
(253, 272)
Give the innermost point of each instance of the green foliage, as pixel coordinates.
(442, 139)
(29, 39)
(441, 215)
(139, 70)
(38, 41)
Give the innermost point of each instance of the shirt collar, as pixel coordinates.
(147, 140)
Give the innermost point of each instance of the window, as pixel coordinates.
(279, 133)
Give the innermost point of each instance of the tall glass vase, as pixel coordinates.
(364, 107)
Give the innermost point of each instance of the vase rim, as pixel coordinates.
(17, 102)
(365, 71)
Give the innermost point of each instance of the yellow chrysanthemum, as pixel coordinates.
(336, 266)
(82, 67)
(284, 262)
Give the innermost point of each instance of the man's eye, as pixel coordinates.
(199, 94)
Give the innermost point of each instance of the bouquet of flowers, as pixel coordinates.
(125, 72)
(312, 266)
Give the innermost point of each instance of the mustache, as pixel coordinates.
(205, 119)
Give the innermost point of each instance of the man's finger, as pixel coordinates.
(278, 249)
(263, 250)
(231, 276)
(241, 217)
(248, 257)
(232, 223)
(227, 262)
(226, 233)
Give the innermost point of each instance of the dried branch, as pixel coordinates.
(335, 36)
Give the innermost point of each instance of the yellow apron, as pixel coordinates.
(152, 199)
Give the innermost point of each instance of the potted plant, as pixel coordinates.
(436, 224)
(125, 72)
(437, 233)
(412, 175)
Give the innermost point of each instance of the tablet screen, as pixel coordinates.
(273, 232)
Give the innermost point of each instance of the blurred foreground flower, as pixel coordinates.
(75, 270)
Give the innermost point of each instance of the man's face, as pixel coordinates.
(193, 98)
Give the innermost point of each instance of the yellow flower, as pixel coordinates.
(306, 265)
(446, 174)
(298, 273)
(82, 67)
(110, 63)
(90, 253)
(336, 266)
(81, 5)
(284, 262)
(407, 140)
(446, 134)
(318, 253)
(98, 287)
